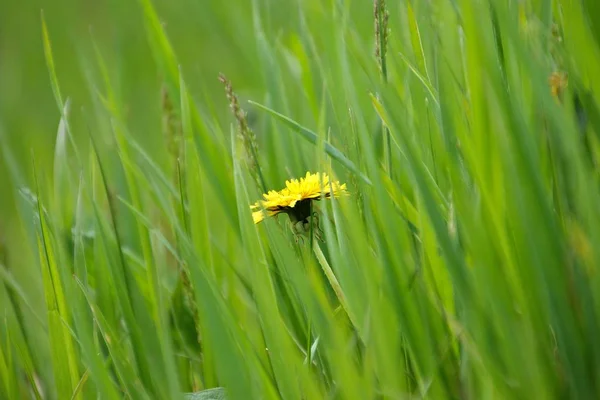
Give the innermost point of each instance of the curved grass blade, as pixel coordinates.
(50, 64)
(314, 139)
(217, 393)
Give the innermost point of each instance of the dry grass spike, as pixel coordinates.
(245, 134)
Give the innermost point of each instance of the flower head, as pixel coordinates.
(295, 199)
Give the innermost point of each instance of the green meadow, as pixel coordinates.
(461, 260)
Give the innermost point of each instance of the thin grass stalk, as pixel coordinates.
(381, 43)
(174, 136)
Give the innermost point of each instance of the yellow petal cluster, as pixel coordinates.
(311, 186)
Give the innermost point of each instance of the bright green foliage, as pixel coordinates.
(464, 264)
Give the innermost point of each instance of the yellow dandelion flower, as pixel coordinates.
(295, 199)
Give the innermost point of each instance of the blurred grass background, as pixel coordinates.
(465, 259)
(209, 36)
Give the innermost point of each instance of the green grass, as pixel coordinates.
(463, 264)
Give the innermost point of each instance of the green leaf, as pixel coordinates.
(208, 394)
(50, 64)
(65, 358)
